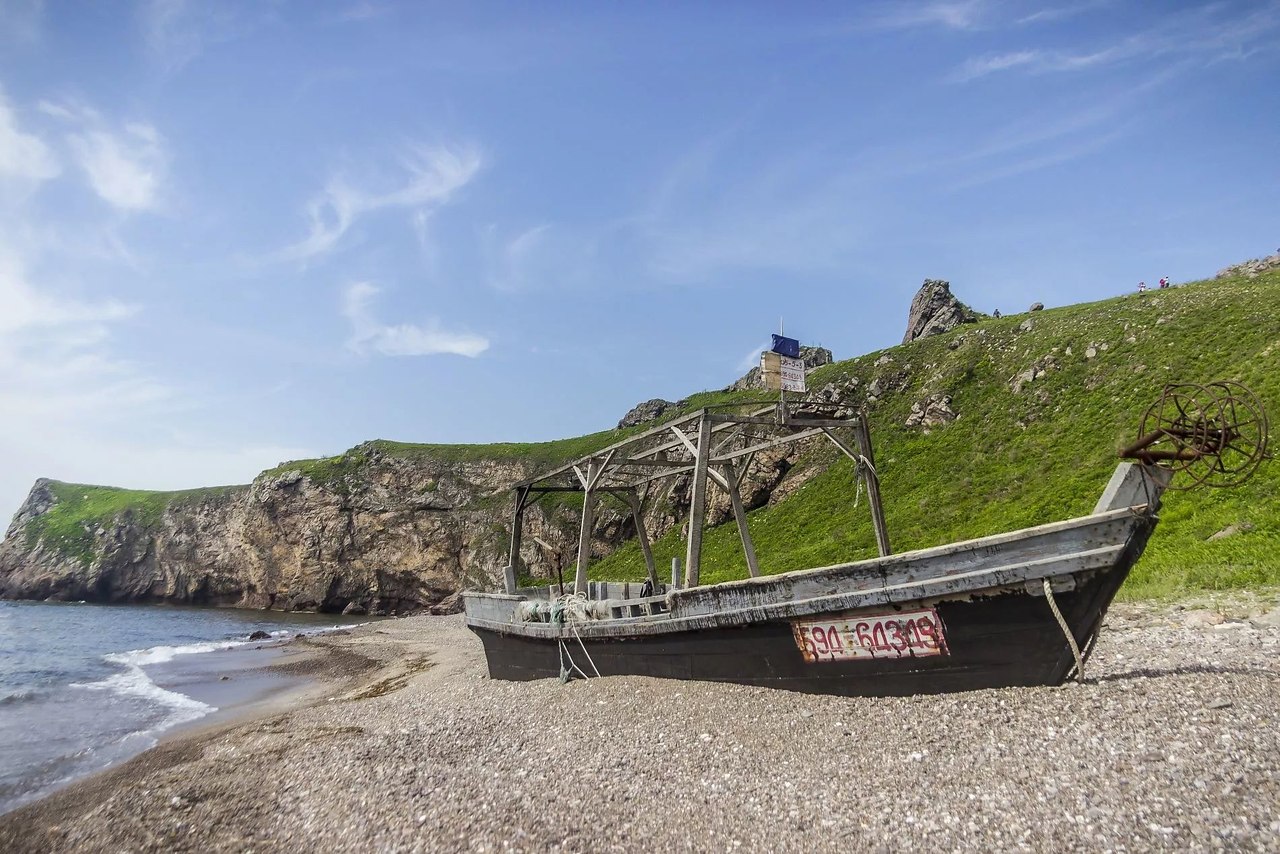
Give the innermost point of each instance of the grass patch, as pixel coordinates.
(70, 526)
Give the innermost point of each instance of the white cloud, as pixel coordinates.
(1194, 37)
(950, 14)
(983, 65)
(125, 165)
(752, 358)
(428, 179)
(23, 156)
(125, 169)
(72, 410)
(403, 339)
(171, 34)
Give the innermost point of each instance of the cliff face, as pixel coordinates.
(389, 534)
(392, 535)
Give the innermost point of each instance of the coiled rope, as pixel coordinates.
(571, 609)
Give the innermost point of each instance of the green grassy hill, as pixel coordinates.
(1011, 459)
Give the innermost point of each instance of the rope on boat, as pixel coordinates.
(571, 609)
(1066, 631)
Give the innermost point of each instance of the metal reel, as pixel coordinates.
(1216, 433)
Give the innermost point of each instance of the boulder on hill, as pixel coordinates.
(813, 357)
(1251, 269)
(650, 410)
(935, 310)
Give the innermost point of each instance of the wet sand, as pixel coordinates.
(401, 742)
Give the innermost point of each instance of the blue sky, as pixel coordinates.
(232, 235)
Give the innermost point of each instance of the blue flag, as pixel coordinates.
(784, 346)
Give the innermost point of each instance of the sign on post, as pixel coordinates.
(781, 373)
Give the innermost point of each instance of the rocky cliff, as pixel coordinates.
(935, 310)
(378, 530)
(386, 534)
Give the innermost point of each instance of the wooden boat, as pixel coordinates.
(1019, 608)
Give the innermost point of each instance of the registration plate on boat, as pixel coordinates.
(903, 634)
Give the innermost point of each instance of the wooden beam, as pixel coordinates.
(787, 422)
(688, 443)
(698, 506)
(637, 441)
(740, 516)
(842, 445)
(600, 470)
(584, 536)
(517, 529)
(863, 435)
(765, 445)
(637, 514)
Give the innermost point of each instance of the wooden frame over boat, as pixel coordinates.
(716, 445)
(1019, 608)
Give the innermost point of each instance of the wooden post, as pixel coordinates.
(584, 536)
(740, 516)
(517, 528)
(698, 506)
(637, 515)
(863, 434)
(675, 573)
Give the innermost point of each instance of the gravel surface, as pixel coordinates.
(1175, 744)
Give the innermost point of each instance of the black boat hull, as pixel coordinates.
(992, 641)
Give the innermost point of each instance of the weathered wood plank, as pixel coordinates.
(740, 516)
(698, 508)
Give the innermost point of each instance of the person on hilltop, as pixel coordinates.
(1164, 282)
(996, 314)
(1142, 287)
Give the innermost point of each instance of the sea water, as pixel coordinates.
(85, 686)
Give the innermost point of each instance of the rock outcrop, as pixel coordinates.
(935, 310)
(650, 410)
(1251, 269)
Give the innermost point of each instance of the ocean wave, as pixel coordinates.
(161, 654)
(19, 696)
(134, 682)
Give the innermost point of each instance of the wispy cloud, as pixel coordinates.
(516, 263)
(359, 12)
(24, 157)
(126, 168)
(368, 334)
(126, 164)
(56, 369)
(752, 357)
(950, 14)
(177, 32)
(1200, 36)
(426, 179)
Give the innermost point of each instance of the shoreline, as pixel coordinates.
(404, 743)
(303, 671)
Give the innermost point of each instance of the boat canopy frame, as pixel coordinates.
(717, 445)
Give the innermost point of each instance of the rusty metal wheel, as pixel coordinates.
(1216, 434)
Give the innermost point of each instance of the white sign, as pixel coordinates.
(792, 371)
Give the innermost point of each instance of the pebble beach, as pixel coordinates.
(404, 744)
